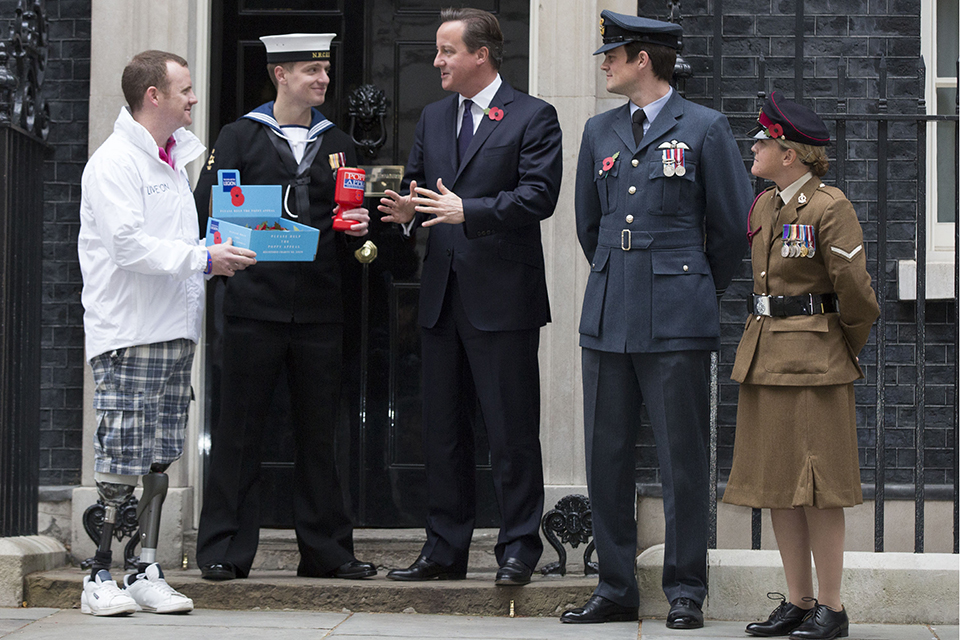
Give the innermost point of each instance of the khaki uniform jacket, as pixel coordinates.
(808, 350)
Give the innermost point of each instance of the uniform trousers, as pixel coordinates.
(674, 387)
(253, 353)
(462, 364)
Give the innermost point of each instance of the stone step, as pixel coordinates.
(280, 590)
(386, 548)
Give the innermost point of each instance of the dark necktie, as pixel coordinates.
(638, 118)
(466, 130)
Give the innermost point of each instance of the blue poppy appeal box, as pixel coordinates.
(252, 216)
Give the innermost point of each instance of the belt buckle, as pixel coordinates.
(626, 240)
(761, 305)
(810, 310)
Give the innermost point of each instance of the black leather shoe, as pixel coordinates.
(353, 570)
(784, 619)
(823, 624)
(218, 571)
(599, 609)
(684, 614)
(426, 569)
(513, 573)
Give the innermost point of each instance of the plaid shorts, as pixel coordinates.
(141, 399)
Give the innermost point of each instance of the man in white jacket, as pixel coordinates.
(143, 274)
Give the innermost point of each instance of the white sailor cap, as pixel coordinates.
(294, 47)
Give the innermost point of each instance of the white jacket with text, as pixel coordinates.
(140, 254)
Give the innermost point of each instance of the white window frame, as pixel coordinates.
(941, 270)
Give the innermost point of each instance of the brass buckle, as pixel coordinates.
(626, 241)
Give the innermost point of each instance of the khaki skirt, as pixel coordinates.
(795, 446)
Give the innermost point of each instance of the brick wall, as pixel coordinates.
(67, 89)
(862, 31)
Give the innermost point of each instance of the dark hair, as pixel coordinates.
(662, 59)
(480, 29)
(147, 69)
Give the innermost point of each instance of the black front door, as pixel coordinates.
(389, 44)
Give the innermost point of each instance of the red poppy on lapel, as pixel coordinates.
(494, 113)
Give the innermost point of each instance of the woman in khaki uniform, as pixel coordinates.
(810, 314)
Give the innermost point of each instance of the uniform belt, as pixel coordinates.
(782, 306)
(628, 239)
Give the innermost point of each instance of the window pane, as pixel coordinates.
(946, 150)
(947, 49)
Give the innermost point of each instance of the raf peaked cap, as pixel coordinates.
(782, 118)
(618, 29)
(296, 47)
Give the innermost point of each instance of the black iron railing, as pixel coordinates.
(23, 128)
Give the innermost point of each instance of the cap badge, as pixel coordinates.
(602, 28)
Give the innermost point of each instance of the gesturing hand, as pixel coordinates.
(397, 207)
(442, 203)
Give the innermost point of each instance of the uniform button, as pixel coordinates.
(758, 318)
(635, 162)
(629, 219)
(632, 190)
(686, 268)
(763, 274)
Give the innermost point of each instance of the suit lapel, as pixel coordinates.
(503, 97)
(623, 127)
(448, 138)
(664, 122)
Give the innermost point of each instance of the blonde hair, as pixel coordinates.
(813, 157)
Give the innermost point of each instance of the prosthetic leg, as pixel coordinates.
(113, 494)
(155, 486)
(148, 586)
(101, 596)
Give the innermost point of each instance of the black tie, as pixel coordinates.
(466, 130)
(638, 118)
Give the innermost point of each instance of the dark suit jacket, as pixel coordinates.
(685, 233)
(509, 181)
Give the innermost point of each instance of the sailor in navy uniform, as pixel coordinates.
(283, 315)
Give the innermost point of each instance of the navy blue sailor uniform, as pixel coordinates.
(279, 315)
(662, 226)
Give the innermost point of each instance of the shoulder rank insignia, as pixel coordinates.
(673, 160)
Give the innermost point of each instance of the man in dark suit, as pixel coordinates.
(491, 157)
(661, 202)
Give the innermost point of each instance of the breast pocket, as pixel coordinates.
(672, 193)
(606, 181)
(684, 298)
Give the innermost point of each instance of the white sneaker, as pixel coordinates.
(153, 594)
(102, 597)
